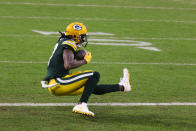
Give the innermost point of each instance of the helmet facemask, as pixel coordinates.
(83, 40)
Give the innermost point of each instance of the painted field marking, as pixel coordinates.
(150, 48)
(130, 38)
(138, 44)
(98, 19)
(110, 63)
(101, 104)
(129, 42)
(155, 38)
(55, 33)
(88, 5)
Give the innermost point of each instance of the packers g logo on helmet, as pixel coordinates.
(77, 27)
(78, 32)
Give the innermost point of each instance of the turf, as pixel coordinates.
(107, 118)
(171, 29)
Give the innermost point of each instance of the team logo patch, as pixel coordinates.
(77, 27)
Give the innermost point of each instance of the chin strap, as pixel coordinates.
(45, 85)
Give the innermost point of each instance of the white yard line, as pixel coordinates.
(110, 63)
(93, 5)
(138, 63)
(57, 33)
(25, 62)
(130, 38)
(23, 35)
(153, 38)
(101, 104)
(99, 19)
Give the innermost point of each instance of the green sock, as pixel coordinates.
(102, 89)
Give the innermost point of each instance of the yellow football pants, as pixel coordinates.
(72, 84)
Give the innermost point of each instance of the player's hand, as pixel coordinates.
(87, 57)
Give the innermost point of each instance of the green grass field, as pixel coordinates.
(168, 75)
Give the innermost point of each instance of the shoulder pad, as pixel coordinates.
(70, 43)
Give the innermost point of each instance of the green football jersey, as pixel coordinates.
(56, 63)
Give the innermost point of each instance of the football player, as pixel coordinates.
(60, 81)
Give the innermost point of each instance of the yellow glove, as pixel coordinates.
(88, 57)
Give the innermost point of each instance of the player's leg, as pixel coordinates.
(124, 85)
(90, 84)
(74, 84)
(106, 88)
(71, 84)
(92, 87)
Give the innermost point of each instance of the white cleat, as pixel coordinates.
(125, 81)
(83, 109)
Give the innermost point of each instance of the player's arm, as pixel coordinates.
(70, 62)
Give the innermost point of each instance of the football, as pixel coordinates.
(80, 54)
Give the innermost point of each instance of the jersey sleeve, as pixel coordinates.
(69, 45)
